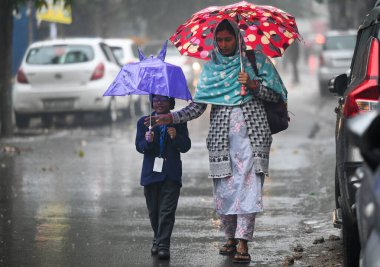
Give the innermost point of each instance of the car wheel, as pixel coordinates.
(47, 121)
(111, 114)
(351, 245)
(22, 121)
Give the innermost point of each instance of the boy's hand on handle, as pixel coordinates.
(161, 119)
(149, 136)
(244, 79)
(172, 132)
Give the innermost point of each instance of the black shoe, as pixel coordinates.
(154, 249)
(163, 253)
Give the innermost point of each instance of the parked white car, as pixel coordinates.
(66, 76)
(335, 56)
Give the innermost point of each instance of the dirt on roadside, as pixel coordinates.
(325, 252)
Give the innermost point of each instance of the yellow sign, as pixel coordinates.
(55, 12)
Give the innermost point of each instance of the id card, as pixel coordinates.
(158, 164)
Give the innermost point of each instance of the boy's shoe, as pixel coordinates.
(154, 249)
(163, 253)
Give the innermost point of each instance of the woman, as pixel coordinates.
(239, 137)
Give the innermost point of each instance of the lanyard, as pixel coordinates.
(162, 139)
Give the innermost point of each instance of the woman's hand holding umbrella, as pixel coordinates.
(245, 80)
(161, 119)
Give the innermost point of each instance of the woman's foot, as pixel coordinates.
(242, 255)
(229, 247)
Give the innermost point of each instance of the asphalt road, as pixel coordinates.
(70, 196)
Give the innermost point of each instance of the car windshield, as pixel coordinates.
(60, 54)
(340, 42)
(119, 52)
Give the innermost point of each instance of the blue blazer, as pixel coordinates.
(172, 167)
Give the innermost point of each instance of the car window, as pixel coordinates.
(108, 53)
(359, 63)
(118, 52)
(135, 50)
(60, 54)
(340, 42)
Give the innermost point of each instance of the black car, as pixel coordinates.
(358, 92)
(365, 132)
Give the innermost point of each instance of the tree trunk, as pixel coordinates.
(6, 27)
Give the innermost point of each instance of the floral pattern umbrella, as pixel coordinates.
(264, 28)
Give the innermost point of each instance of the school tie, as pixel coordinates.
(162, 139)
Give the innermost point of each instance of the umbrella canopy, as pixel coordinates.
(150, 76)
(264, 28)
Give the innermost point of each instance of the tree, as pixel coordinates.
(6, 28)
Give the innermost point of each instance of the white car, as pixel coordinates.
(335, 56)
(66, 76)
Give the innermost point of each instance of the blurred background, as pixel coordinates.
(144, 20)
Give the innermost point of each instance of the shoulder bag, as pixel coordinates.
(277, 112)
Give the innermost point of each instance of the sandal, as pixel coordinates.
(228, 249)
(242, 257)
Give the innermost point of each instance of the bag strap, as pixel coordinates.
(252, 59)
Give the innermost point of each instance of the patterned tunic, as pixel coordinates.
(241, 193)
(217, 141)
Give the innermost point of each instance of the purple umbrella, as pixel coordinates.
(150, 76)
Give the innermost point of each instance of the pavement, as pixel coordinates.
(70, 196)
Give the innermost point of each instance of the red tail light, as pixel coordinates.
(21, 77)
(98, 72)
(365, 96)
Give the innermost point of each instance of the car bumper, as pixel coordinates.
(27, 100)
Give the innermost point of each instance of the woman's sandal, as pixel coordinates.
(242, 257)
(227, 249)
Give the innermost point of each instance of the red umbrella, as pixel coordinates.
(264, 28)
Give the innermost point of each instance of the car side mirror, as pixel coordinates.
(338, 85)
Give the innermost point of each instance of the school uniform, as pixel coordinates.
(162, 187)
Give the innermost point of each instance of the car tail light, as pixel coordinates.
(21, 77)
(98, 72)
(365, 96)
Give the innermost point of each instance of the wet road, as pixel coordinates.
(71, 197)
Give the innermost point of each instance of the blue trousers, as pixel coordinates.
(161, 200)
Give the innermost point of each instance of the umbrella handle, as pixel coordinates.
(243, 91)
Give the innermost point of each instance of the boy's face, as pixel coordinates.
(161, 104)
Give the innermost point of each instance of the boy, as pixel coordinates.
(161, 173)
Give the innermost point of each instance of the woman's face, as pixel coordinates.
(226, 42)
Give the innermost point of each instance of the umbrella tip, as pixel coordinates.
(162, 54)
(141, 55)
